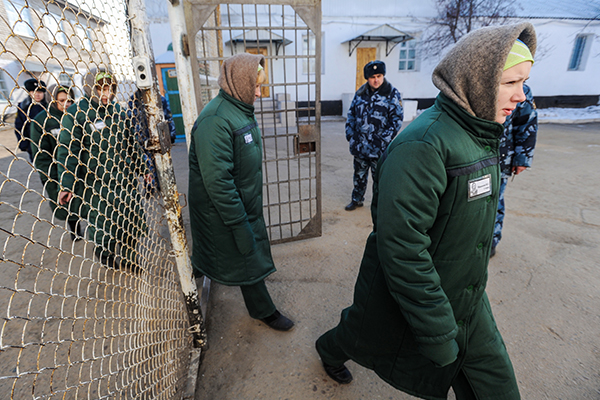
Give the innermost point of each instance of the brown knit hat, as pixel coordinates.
(238, 76)
(471, 71)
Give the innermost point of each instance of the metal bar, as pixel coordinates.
(140, 42)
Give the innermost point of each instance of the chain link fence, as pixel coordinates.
(91, 305)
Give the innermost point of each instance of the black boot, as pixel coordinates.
(278, 322)
(339, 374)
(353, 205)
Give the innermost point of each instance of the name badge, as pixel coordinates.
(55, 131)
(480, 187)
(248, 138)
(99, 124)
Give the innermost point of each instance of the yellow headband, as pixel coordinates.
(518, 53)
(102, 75)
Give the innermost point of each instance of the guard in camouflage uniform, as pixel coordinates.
(374, 118)
(516, 151)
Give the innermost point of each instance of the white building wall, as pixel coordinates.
(346, 19)
(550, 75)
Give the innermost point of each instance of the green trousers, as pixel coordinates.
(258, 300)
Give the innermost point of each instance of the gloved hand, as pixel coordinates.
(244, 237)
(441, 354)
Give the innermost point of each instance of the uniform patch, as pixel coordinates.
(480, 187)
(99, 124)
(248, 138)
(55, 132)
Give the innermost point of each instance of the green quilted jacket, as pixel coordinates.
(231, 245)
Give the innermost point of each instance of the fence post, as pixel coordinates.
(160, 144)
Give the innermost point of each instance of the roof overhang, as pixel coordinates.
(259, 38)
(383, 33)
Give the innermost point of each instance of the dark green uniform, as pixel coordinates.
(231, 245)
(44, 134)
(97, 143)
(420, 316)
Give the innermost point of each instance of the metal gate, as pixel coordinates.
(96, 293)
(288, 34)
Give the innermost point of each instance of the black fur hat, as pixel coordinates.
(374, 67)
(32, 85)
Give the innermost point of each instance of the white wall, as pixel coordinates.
(346, 19)
(550, 75)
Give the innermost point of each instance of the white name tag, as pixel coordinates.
(55, 132)
(99, 124)
(248, 138)
(480, 187)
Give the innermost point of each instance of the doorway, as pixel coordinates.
(363, 56)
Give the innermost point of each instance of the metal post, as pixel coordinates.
(160, 145)
(183, 32)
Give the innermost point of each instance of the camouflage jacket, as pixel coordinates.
(374, 119)
(517, 143)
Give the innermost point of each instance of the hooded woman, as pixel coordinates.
(230, 242)
(420, 317)
(97, 143)
(45, 129)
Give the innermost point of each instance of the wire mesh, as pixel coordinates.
(288, 112)
(90, 304)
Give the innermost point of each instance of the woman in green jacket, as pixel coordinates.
(420, 317)
(97, 143)
(45, 129)
(230, 242)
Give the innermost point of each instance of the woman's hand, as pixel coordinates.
(64, 197)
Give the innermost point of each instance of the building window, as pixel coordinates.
(309, 44)
(19, 16)
(84, 36)
(581, 49)
(309, 48)
(64, 79)
(5, 93)
(55, 27)
(408, 56)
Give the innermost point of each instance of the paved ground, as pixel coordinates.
(543, 285)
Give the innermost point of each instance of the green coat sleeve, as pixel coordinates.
(411, 183)
(67, 153)
(214, 149)
(42, 147)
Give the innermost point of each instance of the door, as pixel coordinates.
(265, 90)
(363, 56)
(171, 88)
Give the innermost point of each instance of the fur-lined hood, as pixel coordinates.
(471, 71)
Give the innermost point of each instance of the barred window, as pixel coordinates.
(19, 17)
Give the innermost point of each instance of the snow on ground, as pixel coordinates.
(569, 115)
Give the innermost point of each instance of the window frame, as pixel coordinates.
(406, 48)
(580, 52)
(21, 22)
(58, 35)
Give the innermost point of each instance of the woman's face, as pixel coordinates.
(105, 90)
(257, 92)
(62, 101)
(510, 92)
